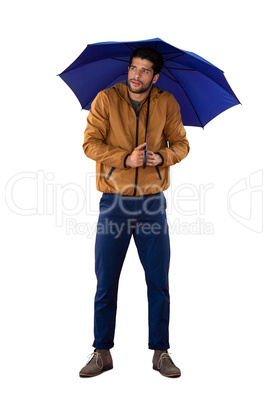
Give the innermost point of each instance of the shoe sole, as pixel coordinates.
(169, 376)
(94, 375)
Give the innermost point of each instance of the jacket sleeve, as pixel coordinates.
(175, 135)
(95, 136)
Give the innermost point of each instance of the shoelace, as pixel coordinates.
(98, 358)
(163, 356)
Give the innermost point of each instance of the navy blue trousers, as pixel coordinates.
(120, 218)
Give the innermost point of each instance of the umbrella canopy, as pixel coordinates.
(200, 88)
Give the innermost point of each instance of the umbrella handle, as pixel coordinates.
(146, 129)
(144, 159)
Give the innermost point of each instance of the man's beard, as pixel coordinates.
(140, 90)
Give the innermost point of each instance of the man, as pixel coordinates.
(135, 133)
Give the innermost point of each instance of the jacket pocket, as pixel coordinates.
(158, 172)
(110, 173)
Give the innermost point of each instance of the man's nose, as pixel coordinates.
(137, 74)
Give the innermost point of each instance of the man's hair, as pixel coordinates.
(150, 54)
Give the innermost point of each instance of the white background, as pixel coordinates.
(218, 280)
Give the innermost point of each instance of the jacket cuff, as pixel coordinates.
(160, 164)
(125, 166)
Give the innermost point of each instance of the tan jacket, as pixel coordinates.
(113, 131)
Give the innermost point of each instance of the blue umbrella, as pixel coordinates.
(200, 88)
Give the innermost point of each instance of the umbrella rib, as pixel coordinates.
(184, 53)
(182, 69)
(114, 58)
(131, 48)
(174, 57)
(175, 79)
(205, 75)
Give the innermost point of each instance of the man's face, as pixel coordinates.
(141, 76)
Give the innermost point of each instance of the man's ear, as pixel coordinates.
(155, 78)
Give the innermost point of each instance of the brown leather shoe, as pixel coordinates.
(163, 363)
(100, 361)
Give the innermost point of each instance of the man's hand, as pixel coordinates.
(136, 158)
(153, 159)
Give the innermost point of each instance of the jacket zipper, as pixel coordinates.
(110, 173)
(158, 172)
(137, 143)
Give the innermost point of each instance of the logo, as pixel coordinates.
(245, 201)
